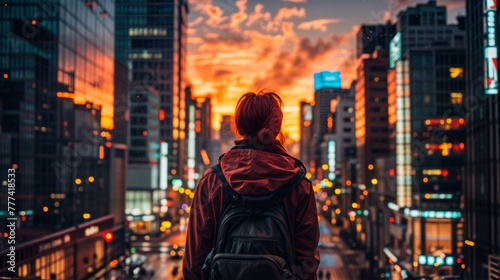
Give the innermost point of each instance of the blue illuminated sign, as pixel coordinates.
(395, 50)
(436, 261)
(327, 79)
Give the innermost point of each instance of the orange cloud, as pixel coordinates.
(228, 61)
(284, 13)
(216, 15)
(239, 16)
(318, 24)
(195, 22)
(258, 15)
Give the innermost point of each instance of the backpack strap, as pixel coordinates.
(261, 201)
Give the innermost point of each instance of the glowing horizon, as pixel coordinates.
(239, 46)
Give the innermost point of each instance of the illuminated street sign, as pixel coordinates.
(490, 47)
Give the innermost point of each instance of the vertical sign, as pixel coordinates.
(163, 166)
(191, 151)
(332, 160)
(490, 47)
(395, 50)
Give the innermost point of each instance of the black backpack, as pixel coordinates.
(254, 238)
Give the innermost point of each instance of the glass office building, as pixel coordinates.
(427, 83)
(57, 91)
(151, 42)
(482, 172)
(57, 118)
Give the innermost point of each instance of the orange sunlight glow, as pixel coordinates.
(231, 54)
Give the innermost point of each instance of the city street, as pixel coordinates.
(112, 114)
(161, 263)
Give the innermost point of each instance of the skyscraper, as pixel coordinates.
(328, 89)
(481, 188)
(369, 37)
(427, 60)
(372, 126)
(151, 42)
(57, 93)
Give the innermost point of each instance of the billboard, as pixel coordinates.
(490, 47)
(395, 50)
(327, 79)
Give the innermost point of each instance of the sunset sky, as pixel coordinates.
(235, 46)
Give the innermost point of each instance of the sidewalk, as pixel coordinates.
(354, 260)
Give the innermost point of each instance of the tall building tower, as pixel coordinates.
(372, 126)
(151, 41)
(482, 172)
(427, 60)
(305, 133)
(57, 93)
(327, 87)
(369, 37)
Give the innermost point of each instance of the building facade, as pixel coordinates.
(372, 126)
(151, 42)
(327, 95)
(481, 187)
(371, 36)
(57, 95)
(427, 57)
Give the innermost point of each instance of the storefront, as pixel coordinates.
(75, 253)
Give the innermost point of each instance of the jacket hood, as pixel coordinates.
(257, 172)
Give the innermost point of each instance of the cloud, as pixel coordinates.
(287, 29)
(216, 15)
(318, 24)
(295, 1)
(284, 13)
(289, 66)
(240, 16)
(258, 15)
(195, 22)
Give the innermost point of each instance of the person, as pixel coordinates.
(258, 164)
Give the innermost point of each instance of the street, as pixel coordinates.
(160, 264)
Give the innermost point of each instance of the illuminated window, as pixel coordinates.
(456, 98)
(456, 72)
(427, 99)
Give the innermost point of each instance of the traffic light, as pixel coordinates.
(392, 220)
(108, 236)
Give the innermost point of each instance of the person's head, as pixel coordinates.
(259, 116)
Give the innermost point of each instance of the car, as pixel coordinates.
(134, 266)
(327, 245)
(176, 251)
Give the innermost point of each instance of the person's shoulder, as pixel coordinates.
(304, 188)
(208, 181)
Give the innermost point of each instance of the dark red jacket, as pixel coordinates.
(252, 172)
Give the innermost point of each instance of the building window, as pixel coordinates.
(456, 98)
(456, 72)
(427, 99)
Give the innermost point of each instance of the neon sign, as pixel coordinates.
(332, 159)
(490, 48)
(395, 50)
(327, 79)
